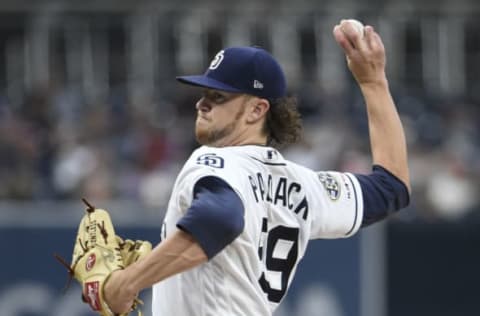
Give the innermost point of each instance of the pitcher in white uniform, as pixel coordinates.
(240, 216)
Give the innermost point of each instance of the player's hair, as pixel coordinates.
(283, 125)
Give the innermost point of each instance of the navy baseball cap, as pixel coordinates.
(249, 70)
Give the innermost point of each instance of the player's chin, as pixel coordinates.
(202, 135)
(201, 123)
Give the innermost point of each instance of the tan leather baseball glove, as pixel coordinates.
(98, 252)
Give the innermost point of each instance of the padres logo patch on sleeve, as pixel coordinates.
(330, 183)
(211, 160)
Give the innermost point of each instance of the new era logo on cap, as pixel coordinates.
(249, 70)
(257, 84)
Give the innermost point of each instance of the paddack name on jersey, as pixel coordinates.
(279, 191)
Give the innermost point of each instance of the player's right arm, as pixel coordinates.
(366, 60)
(207, 227)
(178, 253)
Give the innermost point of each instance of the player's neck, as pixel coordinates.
(240, 141)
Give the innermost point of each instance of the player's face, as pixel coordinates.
(219, 117)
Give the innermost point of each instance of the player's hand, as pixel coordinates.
(365, 54)
(117, 295)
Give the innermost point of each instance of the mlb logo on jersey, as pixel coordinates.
(271, 155)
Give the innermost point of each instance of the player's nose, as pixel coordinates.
(202, 105)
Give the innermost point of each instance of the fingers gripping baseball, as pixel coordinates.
(364, 51)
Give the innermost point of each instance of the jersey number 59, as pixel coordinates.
(280, 259)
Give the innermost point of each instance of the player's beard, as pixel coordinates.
(209, 136)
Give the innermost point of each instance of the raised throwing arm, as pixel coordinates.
(366, 60)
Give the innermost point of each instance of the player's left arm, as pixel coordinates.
(387, 188)
(366, 60)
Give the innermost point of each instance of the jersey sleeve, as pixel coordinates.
(215, 217)
(383, 194)
(338, 205)
(202, 164)
(207, 201)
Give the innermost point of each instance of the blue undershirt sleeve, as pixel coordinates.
(215, 217)
(383, 193)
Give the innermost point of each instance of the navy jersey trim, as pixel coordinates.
(383, 193)
(216, 216)
(269, 163)
(356, 206)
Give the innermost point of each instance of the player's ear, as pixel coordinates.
(258, 109)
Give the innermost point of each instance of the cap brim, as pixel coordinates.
(207, 82)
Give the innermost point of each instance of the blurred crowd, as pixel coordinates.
(56, 145)
(89, 105)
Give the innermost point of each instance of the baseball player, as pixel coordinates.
(240, 216)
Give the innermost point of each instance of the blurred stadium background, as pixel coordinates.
(89, 108)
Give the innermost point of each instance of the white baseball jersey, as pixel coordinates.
(285, 204)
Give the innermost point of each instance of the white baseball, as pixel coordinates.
(357, 25)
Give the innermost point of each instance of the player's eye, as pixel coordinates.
(219, 98)
(216, 97)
